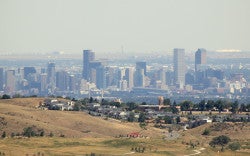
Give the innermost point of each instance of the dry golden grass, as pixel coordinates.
(20, 113)
(106, 146)
(85, 134)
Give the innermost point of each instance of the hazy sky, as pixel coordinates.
(137, 25)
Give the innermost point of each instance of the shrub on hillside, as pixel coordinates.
(206, 132)
(5, 96)
(32, 131)
(234, 146)
(221, 141)
(4, 134)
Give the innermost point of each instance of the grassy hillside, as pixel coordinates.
(84, 134)
(17, 114)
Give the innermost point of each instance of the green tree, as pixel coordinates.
(220, 140)
(210, 105)
(143, 125)
(178, 119)
(206, 132)
(186, 105)
(51, 134)
(174, 104)
(142, 117)
(235, 107)
(84, 101)
(77, 106)
(131, 117)
(117, 104)
(242, 108)
(174, 110)
(17, 96)
(248, 107)
(12, 135)
(167, 101)
(220, 105)
(202, 105)
(4, 134)
(5, 96)
(234, 146)
(91, 100)
(131, 106)
(28, 132)
(168, 119)
(42, 133)
(104, 102)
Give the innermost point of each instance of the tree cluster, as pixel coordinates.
(5, 96)
(212, 105)
(220, 140)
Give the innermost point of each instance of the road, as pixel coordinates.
(196, 152)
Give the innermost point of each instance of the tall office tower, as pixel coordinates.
(111, 75)
(140, 73)
(162, 76)
(123, 85)
(139, 78)
(88, 56)
(1, 79)
(10, 84)
(20, 72)
(170, 78)
(121, 73)
(62, 80)
(28, 70)
(142, 65)
(93, 65)
(200, 59)
(179, 67)
(51, 77)
(101, 78)
(200, 65)
(43, 70)
(43, 81)
(72, 83)
(129, 77)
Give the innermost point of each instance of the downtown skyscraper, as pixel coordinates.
(140, 73)
(179, 67)
(88, 56)
(10, 81)
(200, 58)
(51, 77)
(200, 65)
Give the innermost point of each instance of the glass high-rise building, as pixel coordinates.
(179, 67)
(51, 77)
(62, 80)
(200, 65)
(101, 77)
(140, 73)
(129, 77)
(142, 65)
(10, 84)
(43, 81)
(200, 58)
(28, 70)
(88, 56)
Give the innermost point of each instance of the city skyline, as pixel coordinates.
(123, 26)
